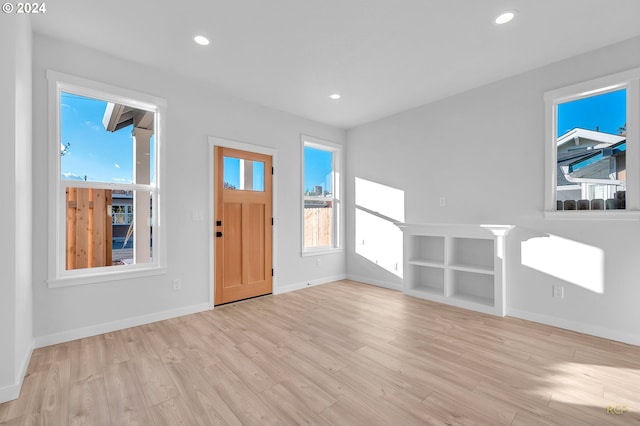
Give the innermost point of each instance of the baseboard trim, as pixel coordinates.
(379, 283)
(94, 330)
(579, 327)
(310, 283)
(11, 392)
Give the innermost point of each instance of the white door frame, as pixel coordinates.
(227, 143)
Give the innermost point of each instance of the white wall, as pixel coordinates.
(7, 216)
(16, 327)
(194, 112)
(24, 193)
(484, 151)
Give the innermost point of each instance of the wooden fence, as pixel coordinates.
(89, 228)
(317, 226)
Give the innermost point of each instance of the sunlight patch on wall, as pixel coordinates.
(377, 239)
(381, 199)
(574, 262)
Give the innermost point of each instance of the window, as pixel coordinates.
(592, 149)
(321, 195)
(243, 175)
(104, 176)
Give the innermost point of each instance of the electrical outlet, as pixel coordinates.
(177, 285)
(317, 263)
(443, 201)
(558, 292)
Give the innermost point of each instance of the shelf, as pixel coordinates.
(472, 252)
(429, 263)
(473, 268)
(471, 286)
(424, 291)
(460, 265)
(428, 279)
(428, 247)
(484, 301)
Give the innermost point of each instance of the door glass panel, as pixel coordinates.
(243, 175)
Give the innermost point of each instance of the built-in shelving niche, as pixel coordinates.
(462, 265)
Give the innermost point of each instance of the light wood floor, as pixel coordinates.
(338, 354)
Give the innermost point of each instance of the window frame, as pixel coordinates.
(629, 80)
(58, 275)
(336, 198)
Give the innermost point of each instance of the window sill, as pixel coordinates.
(106, 277)
(591, 215)
(321, 251)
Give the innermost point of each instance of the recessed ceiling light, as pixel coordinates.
(335, 96)
(201, 40)
(505, 17)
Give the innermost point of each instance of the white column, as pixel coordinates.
(142, 199)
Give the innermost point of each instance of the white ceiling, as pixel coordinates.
(383, 56)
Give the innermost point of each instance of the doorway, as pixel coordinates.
(243, 198)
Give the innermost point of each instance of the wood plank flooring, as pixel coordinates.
(339, 354)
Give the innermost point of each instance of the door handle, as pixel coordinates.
(218, 234)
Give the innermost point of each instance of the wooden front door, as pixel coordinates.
(243, 224)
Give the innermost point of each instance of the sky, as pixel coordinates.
(99, 155)
(607, 111)
(317, 169)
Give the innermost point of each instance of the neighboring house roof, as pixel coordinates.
(574, 135)
(118, 116)
(573, 159)
(598, 155)
(120, 194)
(317, 203)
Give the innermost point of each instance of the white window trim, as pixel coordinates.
(58, 276)
(338, 190)
(629, 80)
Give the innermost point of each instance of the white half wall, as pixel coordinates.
(16, 325)
(483, 151)
(194, 112)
